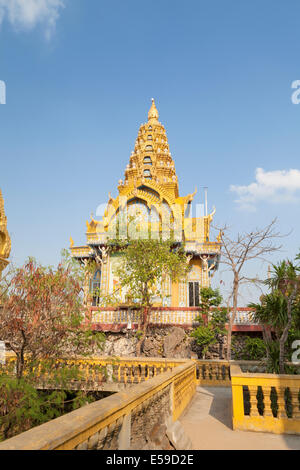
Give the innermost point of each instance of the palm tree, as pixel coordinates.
(278, 308)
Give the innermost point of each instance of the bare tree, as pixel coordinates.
(237, 252)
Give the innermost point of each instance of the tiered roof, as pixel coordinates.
(150, 179)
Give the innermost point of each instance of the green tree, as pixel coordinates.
(143, 266)
(280, 309)
(209, 298)
(218, 321)
(43, 315)
(212, 320)
(204, 337)
(41, 320)
(250, 349)
(23, 406)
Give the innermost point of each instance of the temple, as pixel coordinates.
(149, 196)
(5, 243)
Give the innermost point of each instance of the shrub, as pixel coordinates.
(204, 337)
(254, 349)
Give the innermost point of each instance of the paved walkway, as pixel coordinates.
(207, 421)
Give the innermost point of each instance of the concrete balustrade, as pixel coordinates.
(102, 317)
(119, 421)
(108, 373)
(265, 402)
(118, 373)
(156, 390)
(213, 373)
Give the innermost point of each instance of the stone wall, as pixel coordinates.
(167, 342)
(145, 428)
(163, 342)
(149, 423)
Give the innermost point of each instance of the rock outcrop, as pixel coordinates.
(169, 341)
(159, 342)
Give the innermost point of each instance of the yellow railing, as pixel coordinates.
(126, 371)
(261, 402)
(265, 402)
(94, 372)
(214, 373)
(111, 422)
(184, 387)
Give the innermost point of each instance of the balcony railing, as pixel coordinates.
(159, 316)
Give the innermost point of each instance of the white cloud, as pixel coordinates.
(270, 186)
(26, 14)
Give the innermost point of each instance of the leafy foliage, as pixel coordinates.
(42, 319)
(42, 315)
(280, 311)
(212, 321)
(253, 349)
(144, 264)
(272, 311)
(205, 337)
(219, 318)
(209, 298)
(22, 406)
(273, 366)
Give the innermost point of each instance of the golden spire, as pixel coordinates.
(151, 161)
(153, 113)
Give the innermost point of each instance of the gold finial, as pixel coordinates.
(153, 113)
(71, 242)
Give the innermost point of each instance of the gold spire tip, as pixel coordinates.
(153, 113)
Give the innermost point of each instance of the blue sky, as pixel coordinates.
(80, 76)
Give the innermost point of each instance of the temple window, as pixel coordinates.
(95, 288)
(149, 147)
(150, 137)
(147, 161)
(194, 294)
(147, 173)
